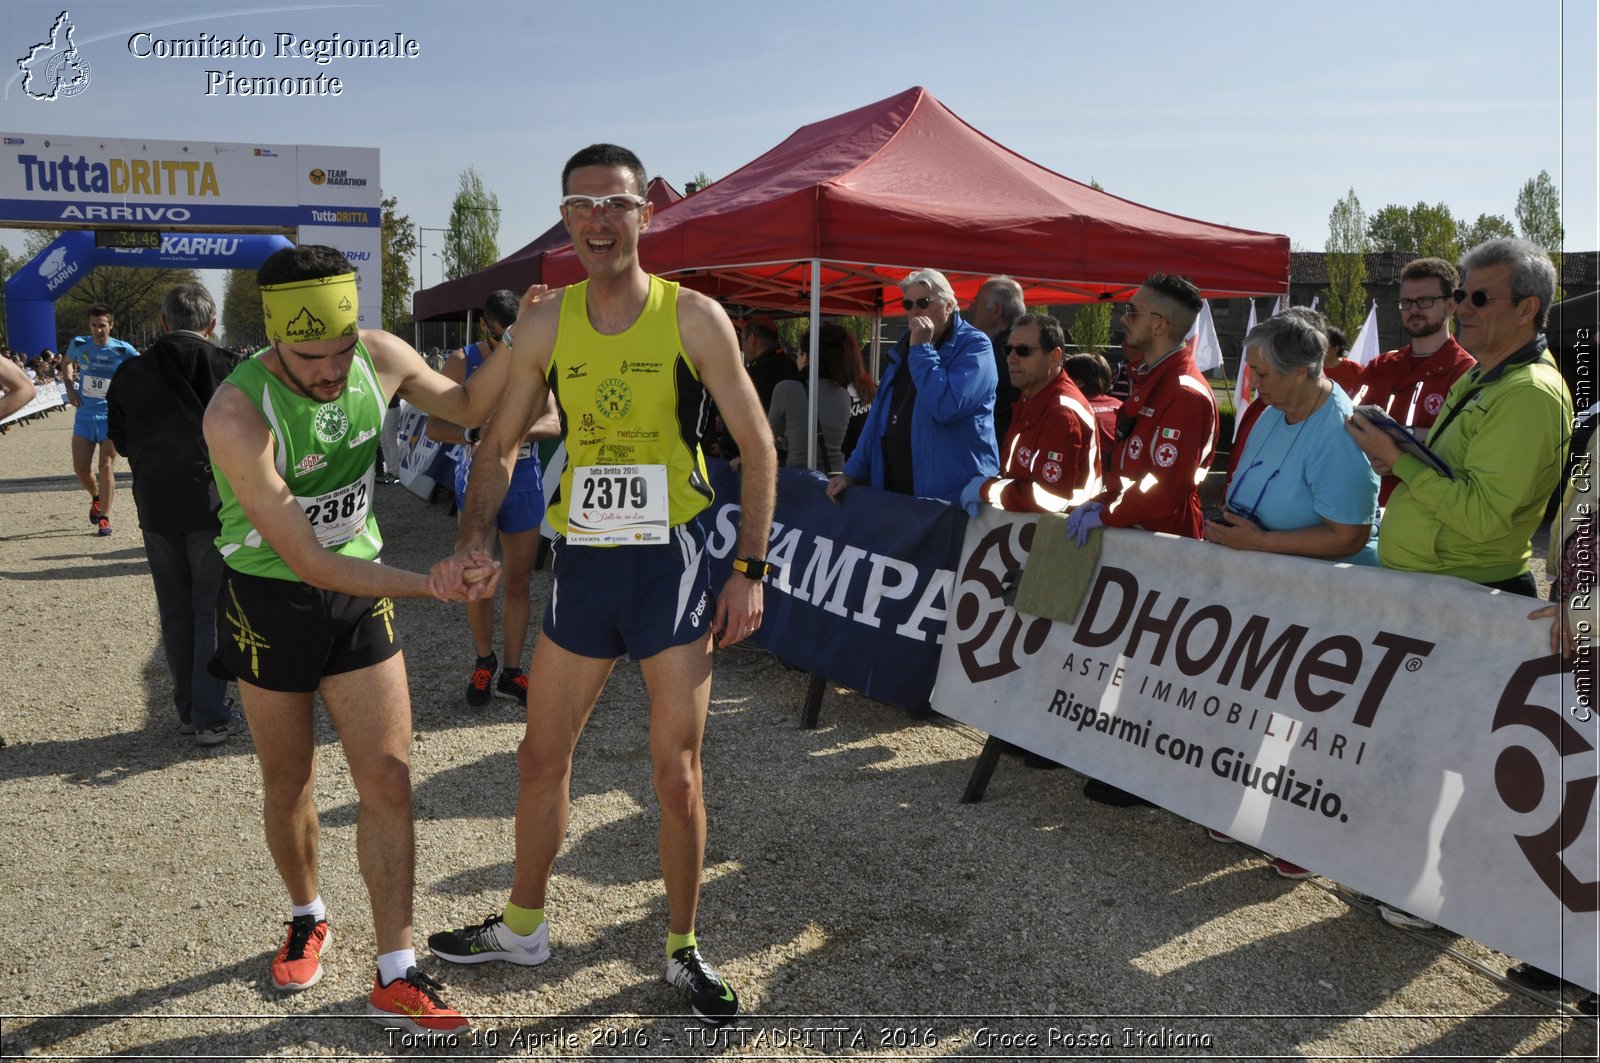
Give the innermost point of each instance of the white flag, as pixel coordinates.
(1277, 306)
(1241, 387)
(1315, 299)
(1207, 349)
(1366, 346)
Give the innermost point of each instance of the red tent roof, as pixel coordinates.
(516, 271)
(904, 183)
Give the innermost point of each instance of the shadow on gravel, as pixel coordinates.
(132, 1024)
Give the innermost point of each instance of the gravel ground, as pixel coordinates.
(856, 904)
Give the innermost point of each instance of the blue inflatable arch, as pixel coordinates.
(32, 291)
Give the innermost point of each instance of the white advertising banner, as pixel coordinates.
(415, 451)
(46, 397)
(77, 181)
(1409, 736)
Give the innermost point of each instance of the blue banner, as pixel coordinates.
(863, 588)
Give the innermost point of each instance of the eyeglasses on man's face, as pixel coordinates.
(1021, 350)
(617, 206)
(1423, 303)
(918, 304)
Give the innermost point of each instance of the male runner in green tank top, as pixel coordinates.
(633, 360)
(306, 608)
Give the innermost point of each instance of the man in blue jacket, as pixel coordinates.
(931, 428)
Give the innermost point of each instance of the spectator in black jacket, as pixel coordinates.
(155, 406)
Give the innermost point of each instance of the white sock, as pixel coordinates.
(316, 909)
(392, 965)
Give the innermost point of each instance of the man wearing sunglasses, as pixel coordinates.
(1052, 456)
(1411, 383)
(1168, 427)
(517, 522)
(1503, 431)
(931, 428)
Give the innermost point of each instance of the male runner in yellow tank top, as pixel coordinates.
(633, 360)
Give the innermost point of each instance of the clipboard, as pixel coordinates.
(1405, 438)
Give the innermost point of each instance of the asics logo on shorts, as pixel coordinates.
(384, 610)
(246, 637)
(699, 610)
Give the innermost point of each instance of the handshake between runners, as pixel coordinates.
(467, 575)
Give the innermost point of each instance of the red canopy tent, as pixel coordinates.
(846, 206)
(516, 271)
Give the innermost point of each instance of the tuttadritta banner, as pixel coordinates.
(1407, 735)
(862, 588)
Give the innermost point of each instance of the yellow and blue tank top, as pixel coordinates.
(630, 399)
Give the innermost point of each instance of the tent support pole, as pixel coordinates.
(813, 367)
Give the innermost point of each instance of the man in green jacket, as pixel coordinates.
(1503, 432)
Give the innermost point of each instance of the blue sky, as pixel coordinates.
(1259, 115)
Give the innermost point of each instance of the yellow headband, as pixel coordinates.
(303, 311)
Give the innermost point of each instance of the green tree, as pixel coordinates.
(1091, 326)
(1347, 264)
(399, 244)
(242, 323)
(1419, 231)
(471, 244)
(1539, 218)
(696, 183)
(1487, 227)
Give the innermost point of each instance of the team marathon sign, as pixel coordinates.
(1409, 736)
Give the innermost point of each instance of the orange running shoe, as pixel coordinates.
(298, 965)
(412, 1002)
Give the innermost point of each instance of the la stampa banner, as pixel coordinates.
(1410, 736)
(862, 586)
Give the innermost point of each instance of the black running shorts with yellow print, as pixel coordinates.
(285, 635)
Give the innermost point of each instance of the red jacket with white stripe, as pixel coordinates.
(1052, 453)
(1153, 478)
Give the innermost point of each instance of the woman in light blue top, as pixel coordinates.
(1302, 486)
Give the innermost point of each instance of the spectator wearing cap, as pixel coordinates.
(931, 429)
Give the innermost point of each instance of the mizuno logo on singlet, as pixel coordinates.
(576, 370)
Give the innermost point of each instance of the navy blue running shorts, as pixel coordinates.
(638, 600)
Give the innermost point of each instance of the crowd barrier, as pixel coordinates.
(1409, 736)
(422, 462)
(47, 397)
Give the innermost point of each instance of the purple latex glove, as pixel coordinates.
(1083, 520)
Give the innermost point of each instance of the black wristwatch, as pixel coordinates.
(472, 435)
(755, 568)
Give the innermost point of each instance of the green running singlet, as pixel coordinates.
(325, 451)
